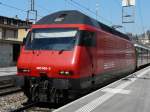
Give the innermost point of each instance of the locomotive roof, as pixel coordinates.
(76, 17)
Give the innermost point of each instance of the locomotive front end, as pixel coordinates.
(48, 62)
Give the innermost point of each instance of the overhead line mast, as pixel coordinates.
(128, 11)
(32, 13)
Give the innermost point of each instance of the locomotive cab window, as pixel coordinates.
(87, 39)
(51, 39)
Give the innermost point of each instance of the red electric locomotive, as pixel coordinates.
(69, 51)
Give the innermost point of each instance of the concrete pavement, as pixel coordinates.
(130, 94)
(8, 71)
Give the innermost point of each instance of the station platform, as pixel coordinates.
(130, 94)
(8, 74)
(8, 71)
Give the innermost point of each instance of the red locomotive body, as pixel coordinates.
(69, 51)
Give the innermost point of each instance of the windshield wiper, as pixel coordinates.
(61, 51)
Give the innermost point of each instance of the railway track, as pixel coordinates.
(9, 90)
(32, 108)
(28, 106)
(8, 87)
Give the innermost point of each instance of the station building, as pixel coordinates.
(12, 32)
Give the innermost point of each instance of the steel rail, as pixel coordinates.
(21, 109)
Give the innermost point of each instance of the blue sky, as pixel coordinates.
(110, 11)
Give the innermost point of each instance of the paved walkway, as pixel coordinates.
(131, 94)
(8, 71)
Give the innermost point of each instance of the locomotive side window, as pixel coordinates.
(28, 40)
(87, 39)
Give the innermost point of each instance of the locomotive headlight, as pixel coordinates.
(62, 72)
(66, 73)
